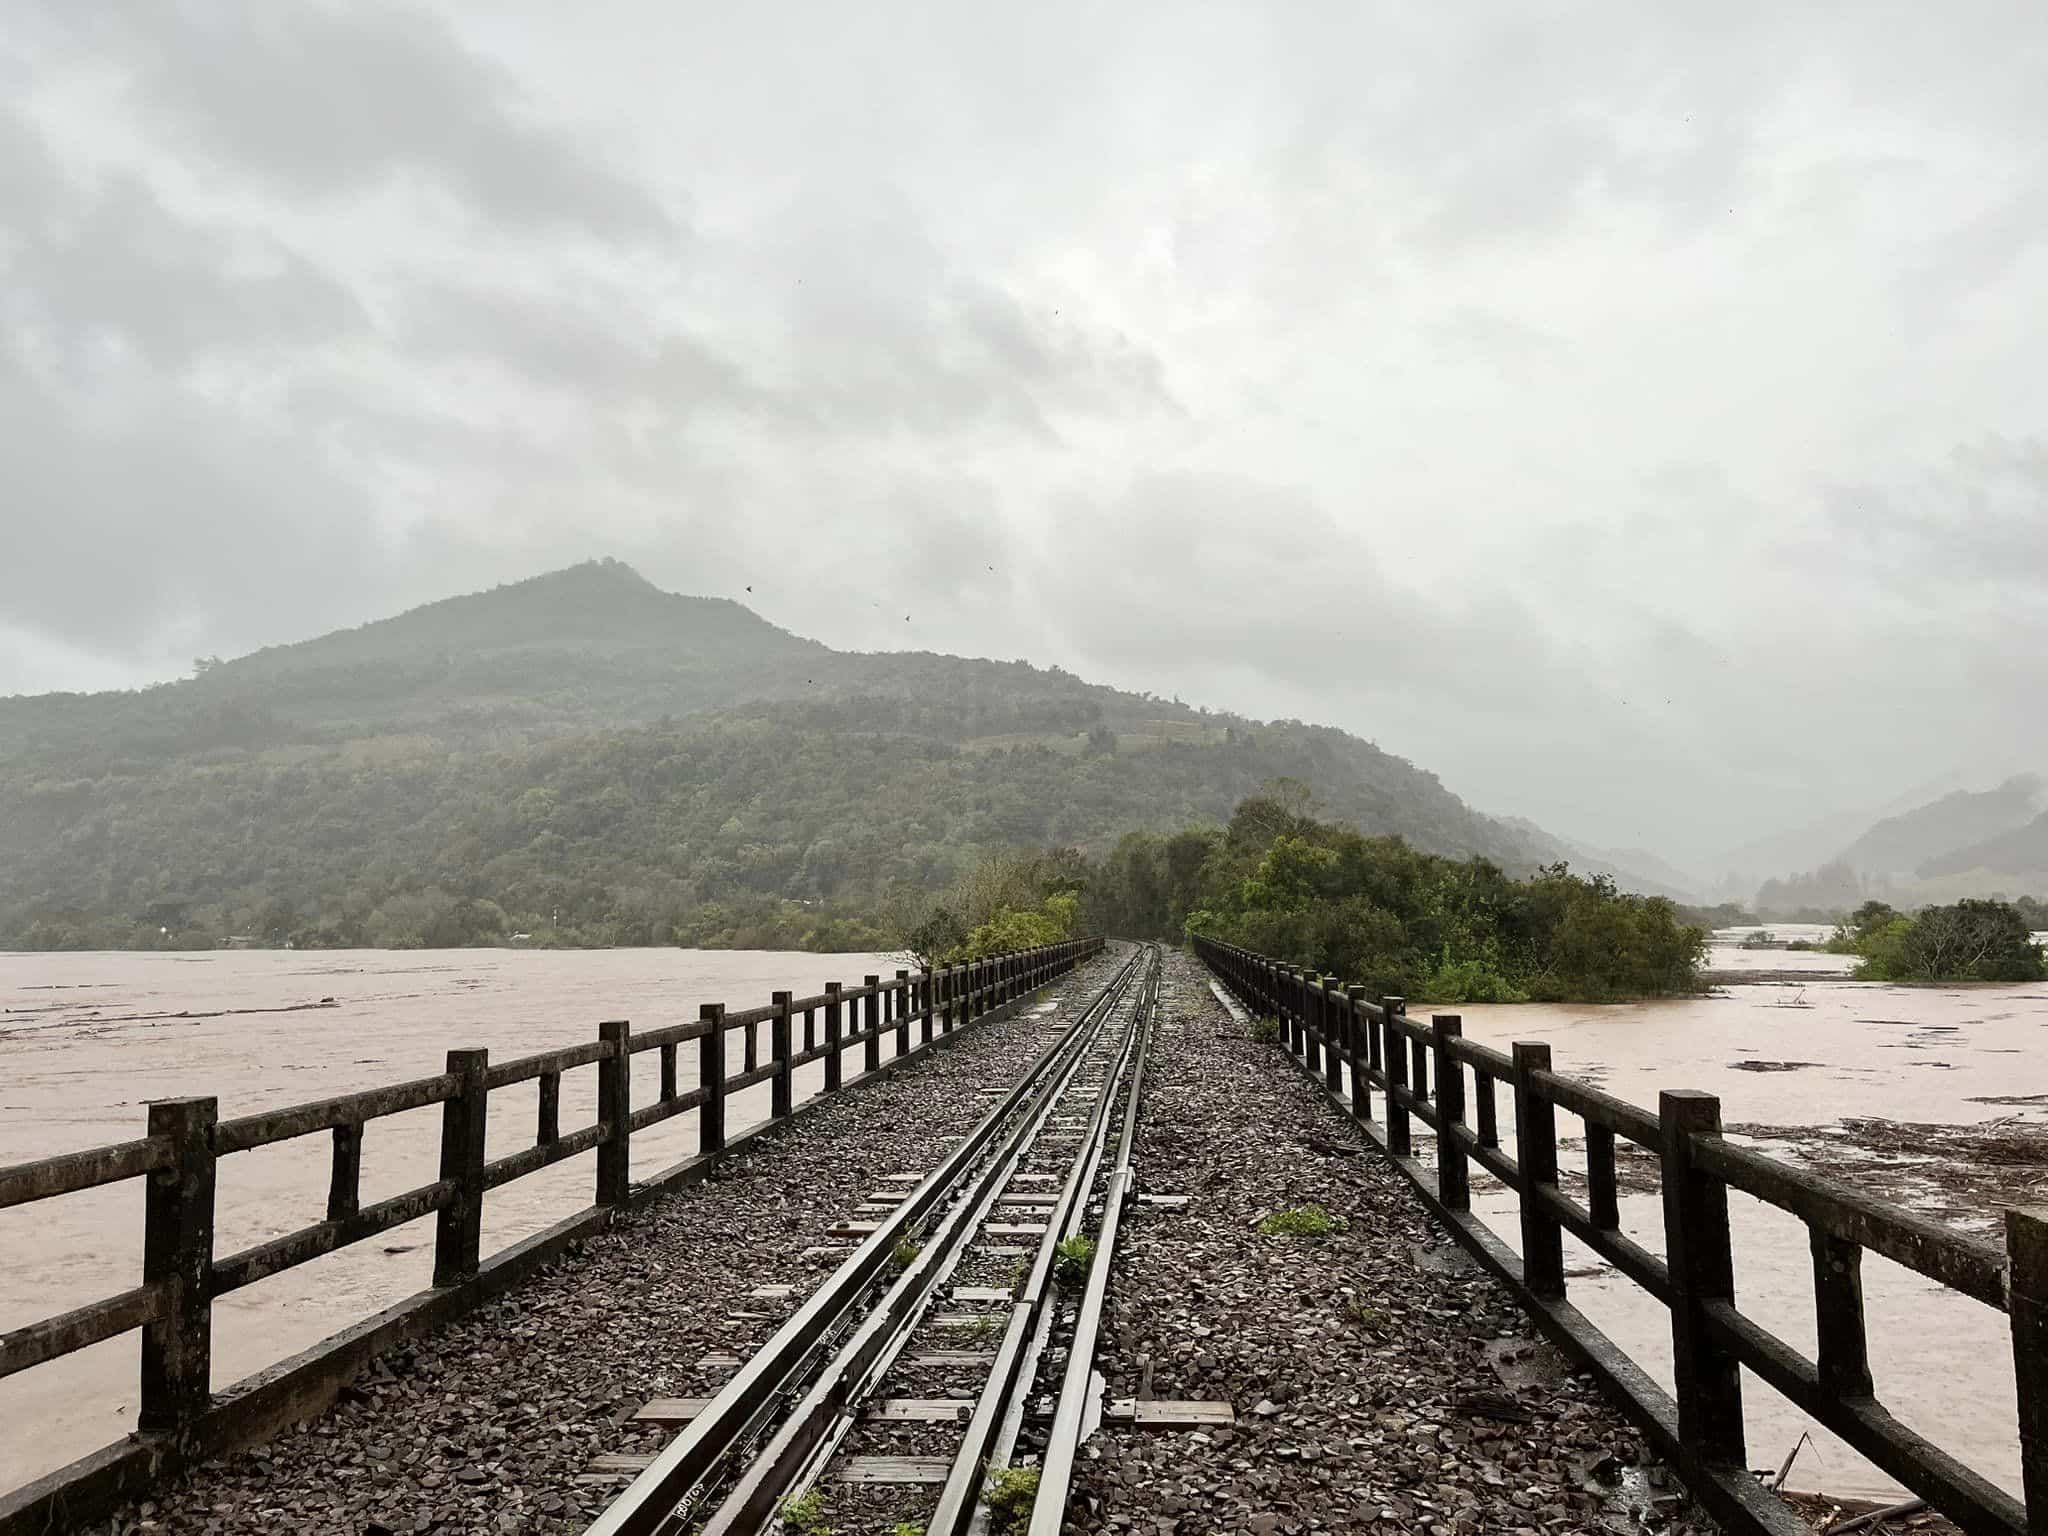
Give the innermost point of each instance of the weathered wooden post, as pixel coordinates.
(1399, 1143)
(1536, 1157)
(1361, 1076)
(1453, 1177)
(615, 1113)
(831, 1037)
(2026, 1246)
(177, 1257)
(345, 1175)
(459, 1225)
(1330, 1006)
(549, 1129)
(924, 1000)
(1701, 1260)
(668, 1071)
(753, 1046)
(948, 984)
(1842, 1358)
(871, 1025)
(1314, 1026)
(902, 996)
(711, 1078)
(778, 1042)
(1603, 1195)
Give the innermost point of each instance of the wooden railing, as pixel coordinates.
(181, 1275)
(1420, 1073)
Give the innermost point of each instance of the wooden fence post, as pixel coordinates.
(1453, 1177)
(711, 1078)
(778, 1043)
(1536, 1157)
(615, 1112)
(1333, 1037)
(177, 1256)
(345, 1173)
(925, 999)
(902, 996)
(1842, 1358)
(459, 1225)
(548, 1127)
(871, 1025)
(831, 1037)
(1394, 1048)
(1314, 1025)
(1702, 1267)
(2026, 1245)
(1361, 1074)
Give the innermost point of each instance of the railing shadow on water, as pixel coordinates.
(1326, 1029)
(180, 1419)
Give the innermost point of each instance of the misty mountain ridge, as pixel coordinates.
(1989, 842)
(585, 742)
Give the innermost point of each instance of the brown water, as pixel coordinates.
(87, 1039)
(1942, 1362)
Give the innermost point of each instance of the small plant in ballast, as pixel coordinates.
(1265, 1031)
(1071, 1261)
(905, 1254)
(1302, 1221)
(806, 1516)
(1010, 1494)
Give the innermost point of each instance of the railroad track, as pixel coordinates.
(962, 1327)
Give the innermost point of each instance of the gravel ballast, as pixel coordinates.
(1381, 1380)
(487, 1425)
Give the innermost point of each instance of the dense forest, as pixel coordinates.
(585, 759)
(1280, 880)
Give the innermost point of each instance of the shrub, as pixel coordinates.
(1265, 1031)
(1970, 941)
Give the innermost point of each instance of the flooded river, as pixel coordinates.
(87, 1039)
(1800, 1066)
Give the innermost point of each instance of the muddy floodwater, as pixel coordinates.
(1906, 1088)
(87, 1039)
(1847, 1077)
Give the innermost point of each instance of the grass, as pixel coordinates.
(1010, 1493)
(907, 1528)
(981, 1330)
(1302, 1221)
(905, 1254)
(1265, 1031)
(806, 1516)
(1363, 1315)
(1071, 1262)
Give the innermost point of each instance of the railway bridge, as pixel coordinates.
(1097, 1237)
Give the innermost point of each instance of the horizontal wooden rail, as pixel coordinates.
(1325, 1029)
(178, 1159)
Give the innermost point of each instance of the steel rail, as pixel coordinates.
(807, 1436)
(1072, 1420)
(739, 1413)
(998, 1411)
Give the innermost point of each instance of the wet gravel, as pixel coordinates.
(1381, 1381)
(487, 1425)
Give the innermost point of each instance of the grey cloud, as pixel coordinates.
(1979, 518)
(104, 260)
(337, 99)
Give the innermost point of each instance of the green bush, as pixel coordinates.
(1969, 941)
(1265, 1031)
(806, 1516)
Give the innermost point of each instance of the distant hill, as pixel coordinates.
(587, 754)
(1964, 843)
(1632, 869)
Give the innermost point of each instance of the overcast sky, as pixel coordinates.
(1633, 413)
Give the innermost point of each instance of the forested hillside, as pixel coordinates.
(587, 759)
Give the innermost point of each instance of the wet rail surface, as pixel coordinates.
(943, 1369)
